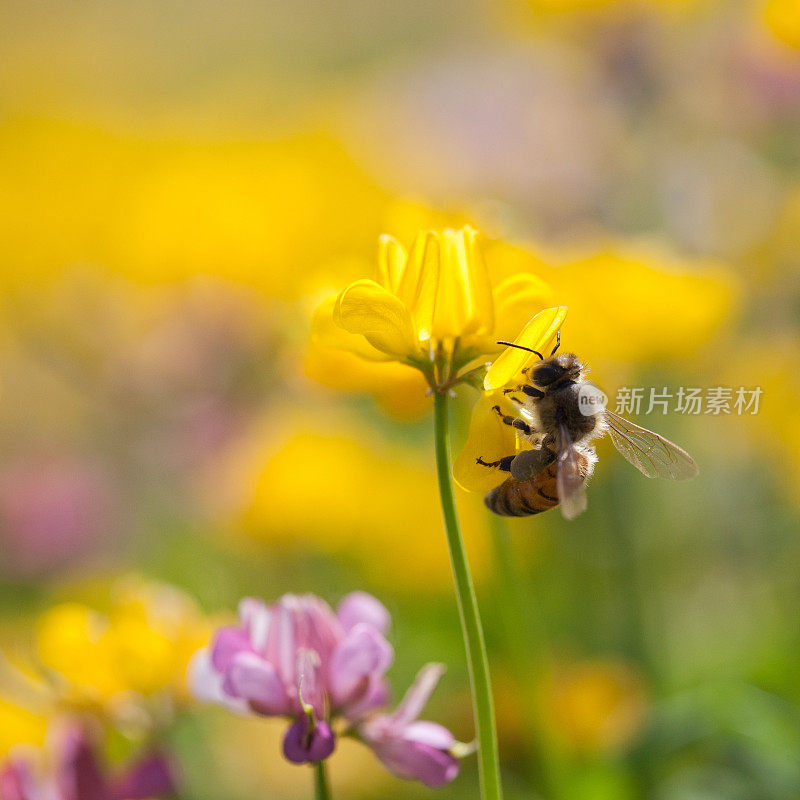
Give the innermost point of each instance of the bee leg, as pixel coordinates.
(514, 422)
(504, 463)
(525, 388)
(531, 391)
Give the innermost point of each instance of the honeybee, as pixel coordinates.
(566, 414)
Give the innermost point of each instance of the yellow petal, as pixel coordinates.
(70, 641)
(391, 263)
(366, 308)
(19, 726)
(417, 286)
(398, 388)
(516, 300)
(327, 336)
(538, 334)
(480, 284)
(464, 303)
(488, 439)
(348, 362)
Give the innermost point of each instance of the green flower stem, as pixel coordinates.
(527, 648)
(482, 704)
(321, 789)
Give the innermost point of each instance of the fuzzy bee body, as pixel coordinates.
(560, 406)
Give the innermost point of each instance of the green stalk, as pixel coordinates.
(482, 704)
(321, 789)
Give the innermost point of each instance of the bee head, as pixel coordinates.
(557, 369)
(552, 371)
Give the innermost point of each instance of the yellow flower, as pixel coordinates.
(158, 210)
(342, 492)
(488, 437)
(126, 665)
(341, 360)
(154, 631)
(18, 725)
(782, 17)
(72, 642)
(141, 647)
(539, 9)
(594, 706)
(633, 304)
(433, 308)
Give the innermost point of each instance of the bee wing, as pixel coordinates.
(569, 481)
(650, 453)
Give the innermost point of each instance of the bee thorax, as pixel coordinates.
(562, 406)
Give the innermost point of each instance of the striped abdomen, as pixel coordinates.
(513, 498)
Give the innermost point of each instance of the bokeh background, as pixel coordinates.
(181, 183)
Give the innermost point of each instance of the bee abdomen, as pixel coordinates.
(513, 498)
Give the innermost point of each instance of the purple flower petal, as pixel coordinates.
(417, 761)
(375, 696)
(227, 643)
(205, 683)
(302, 747)
(430, 733)
(153, 776)
(251, 678)
(417, 696)
(282, 641)
(255, 618)
(319, 628)
(362, 607)
(79, 776)
(361, 655)
(16, 782)
(310, 692)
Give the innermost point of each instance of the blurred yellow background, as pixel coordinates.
(181, 185)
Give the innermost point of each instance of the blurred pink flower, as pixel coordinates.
(52, 510)
(299, 659)
(79, 775)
